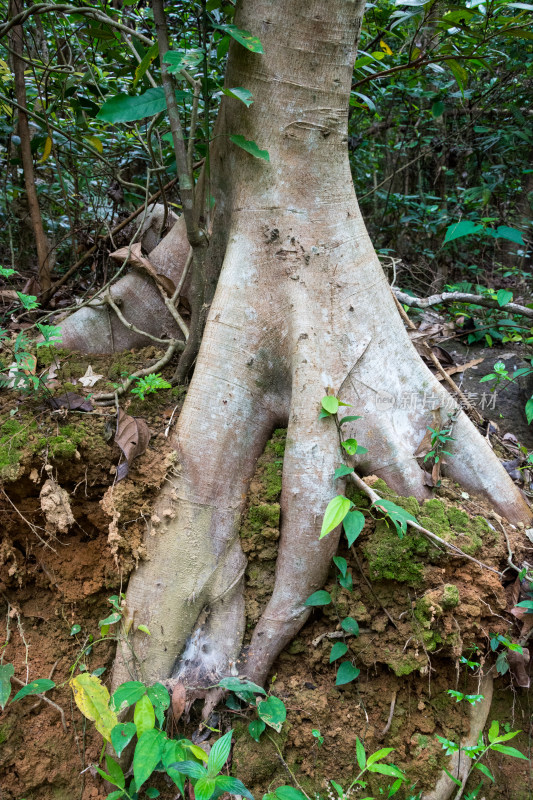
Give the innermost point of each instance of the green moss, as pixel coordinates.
(450, 596)
(14, 437)
(459, 520)
(65, 444)
(392, 558)
(264, 515)
(271, 480)
(404, 664)
(433, 516)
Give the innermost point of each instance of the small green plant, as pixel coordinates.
(439, 440)
(502, 662)
(149, 385)
(318, 736)
(478, 751)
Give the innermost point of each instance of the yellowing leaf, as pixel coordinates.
(47, 150)
(92, 698)
(385, 47)
(95, 142)
(197, 751)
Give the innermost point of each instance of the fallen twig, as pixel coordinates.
(452, 548)
(46, 700)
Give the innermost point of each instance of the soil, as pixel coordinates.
(419, 612)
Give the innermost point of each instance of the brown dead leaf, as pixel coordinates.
(461, 367)
(513, 593)
(443, 355)
(71, 401)
(425, 445)
(518, 664)
(435, 473)
(179, 699)
(132, 436)
(135, 257)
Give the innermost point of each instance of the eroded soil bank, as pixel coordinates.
(419, 611)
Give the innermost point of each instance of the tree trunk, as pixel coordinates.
(41, 240)
(302, 307)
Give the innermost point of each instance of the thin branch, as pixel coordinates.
(46, 700)
(461, 297)
(453, 549)
(129, 325)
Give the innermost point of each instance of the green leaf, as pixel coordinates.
(335, 512)
(219, 754)
(115, 795)
(350, 625)
(330, 404)
(240, 685)
(250, 146)
(144, 628)
(379, 754)
(144, 715)
(506, 737)
(121, 736)
(347, 582)
(35, 687)
(512, 234)
(288, 793)
(75, 629)
(338, 650)
(350, 445)
(150, 55)
(245, 38)
(341, 564)
(190, 768)
(485, 770)
(244, 95)
(151, 792)
(115, 772)
(147, 755)
(256, 728)
(183, 59)
(353, 523)
(494, 730)
(398, 515)
(341, 471)
(437, 109)
(6, 673)
(349, 418)
(110, 620)
(231, 785)
(463, 228)
(125, 108)
(503, 297)
(273, 712)
(529, 410)
(360, 753)
(346, 673)
(508, 751)
(160, 698)
(452, 778)
(204, 788)
(126, 695)
(386, 769)
(320, 598)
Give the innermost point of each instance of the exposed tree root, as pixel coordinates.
(460, 764)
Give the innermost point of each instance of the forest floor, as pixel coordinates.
(419, 611)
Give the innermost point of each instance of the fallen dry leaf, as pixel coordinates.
(135, 257)
(71, 401)
(132, 436)
(518, 664)
(90, 378)
(179, 699)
